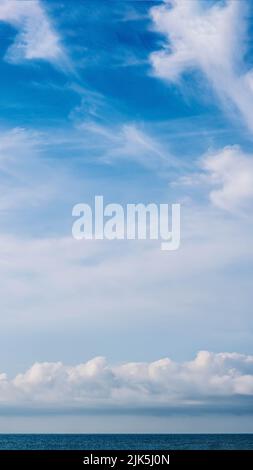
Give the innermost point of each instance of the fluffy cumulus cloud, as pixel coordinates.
(211, 38)
(36, 37)
(210, 379)
(226, 176)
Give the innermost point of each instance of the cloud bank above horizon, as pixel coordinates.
(211, 381)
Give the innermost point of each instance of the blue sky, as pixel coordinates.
(140, 101)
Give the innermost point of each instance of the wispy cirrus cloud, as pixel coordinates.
(129, 142)
(36, 36)
(211, 39)
(26, 180)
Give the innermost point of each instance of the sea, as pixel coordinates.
(126, 441)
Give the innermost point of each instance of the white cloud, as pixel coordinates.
(96, 384)
(210, 38)
(36, 37)
(226, 176)
(231, 173)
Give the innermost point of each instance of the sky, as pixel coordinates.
(141, 102)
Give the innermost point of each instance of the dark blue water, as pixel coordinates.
(126, 441)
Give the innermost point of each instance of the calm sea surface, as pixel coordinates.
(126, 441)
